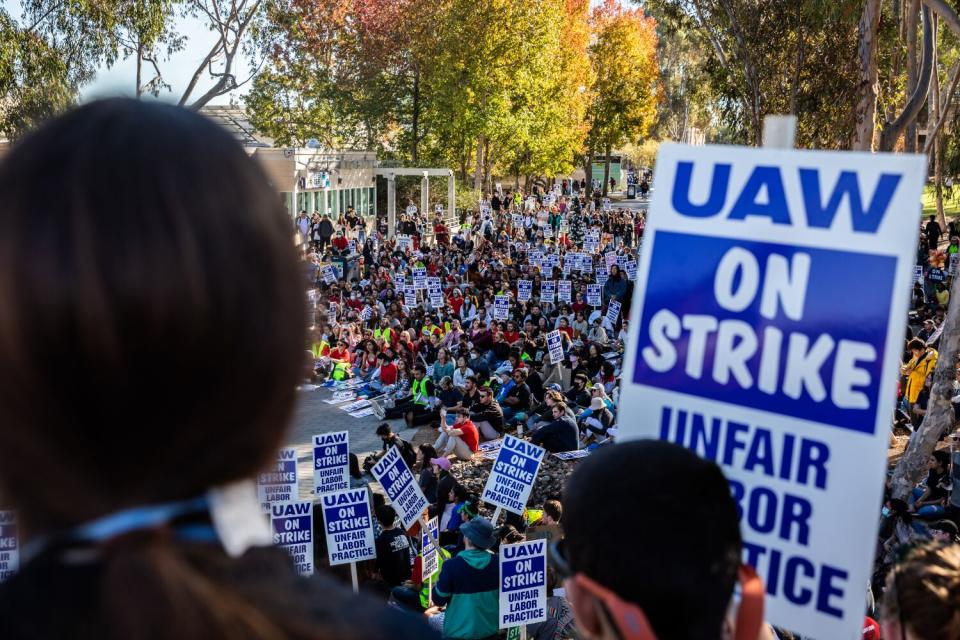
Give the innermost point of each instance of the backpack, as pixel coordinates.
(407, 452)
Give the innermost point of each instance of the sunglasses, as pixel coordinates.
(629, 620)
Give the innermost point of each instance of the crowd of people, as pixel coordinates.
(452, 363)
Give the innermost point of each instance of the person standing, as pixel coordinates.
(933, 231)
(325, 230)
(468, 585)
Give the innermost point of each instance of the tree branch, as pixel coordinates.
(944, 106)
(892, 130)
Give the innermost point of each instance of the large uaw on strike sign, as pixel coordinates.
(395, 477)
(771, 297)
(349, 527)
(331, 461)
(293, 530)
(523, 583)
(513, 475)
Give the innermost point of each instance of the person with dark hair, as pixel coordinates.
(930, 500)
(185, 346)
(920, 365)
(679, 582)
(922, 598)
(559, 435)
(391, 439)
(427, 478)
(393, 548)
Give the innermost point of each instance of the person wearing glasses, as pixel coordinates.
(675, 582)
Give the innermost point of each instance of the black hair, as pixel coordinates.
(384, 429)
(386, 515)
(682, 579)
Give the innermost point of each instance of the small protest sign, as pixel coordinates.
(564, 291)
(610, 258)
(593, 295)
(501, 307)
(513, 474)
(420, 277)
(366, 313)
(591, 241)
(404, 243)
(331, 461)
(523, 583)
(292, 524)
(918, 274)
(428, 550)
(954, 260)
(348, 526)
(602, 275)
(631, 268)
(524, 290)
(398, 482)
(555, 346)
(9, 545)
(613, 312)
(329, 274)
(280, 483)
(548, 291)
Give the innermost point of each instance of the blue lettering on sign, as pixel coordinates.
(794, 331)
(763, 195)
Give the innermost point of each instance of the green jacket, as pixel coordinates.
(468, 585)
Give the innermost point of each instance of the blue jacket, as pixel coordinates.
(468, 585)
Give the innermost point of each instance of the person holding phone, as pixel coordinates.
(460, 438)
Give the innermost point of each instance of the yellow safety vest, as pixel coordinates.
(386, 334)
(318, 348)
(419, 390)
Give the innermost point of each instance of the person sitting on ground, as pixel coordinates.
(419, 408)
(427, 477)
(599, 421)
(445, 484)
(577, 394)
(679, 583)
(390, 439)
(516, 399)
(551, 514)
(559, 435)
(393, 548)
(487, 415)
(448, 394)
(469, 586)
(462, 439)
(922, 598)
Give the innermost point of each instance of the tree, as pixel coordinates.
(46, 56)
(775, 56)
(144, 30)
(624, 60)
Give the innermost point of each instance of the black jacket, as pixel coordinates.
(559, 435)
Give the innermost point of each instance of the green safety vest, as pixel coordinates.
(419, 390)
(386, 334)
(442, 555)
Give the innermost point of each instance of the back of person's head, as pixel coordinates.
(922, 596)
(386, 515)
(554, 509)
(383, 429)
(645, 494)
(151, 336)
